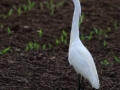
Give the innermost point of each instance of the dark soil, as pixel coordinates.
(49, 69)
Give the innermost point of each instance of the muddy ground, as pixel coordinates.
(47, 67)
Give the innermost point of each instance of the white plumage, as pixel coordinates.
(79, 57)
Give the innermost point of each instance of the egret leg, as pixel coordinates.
(82, 83)
(79, 87)
(95, 89)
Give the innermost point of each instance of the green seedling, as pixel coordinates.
(82, 37)
(52, 12)
(40, 33)
(81, 19)
(29, 47)
(98, 31)
(4, 16)
(10, 12)
(44, 47)
(117, 59)
(8, 31)
(49, 45)
(32, 46)
(60, 3)
(4, 51)
(90, 36)
(30, 5)
(19, 11)
(57, 42)
(41, 5)
(14, 8)
(50, 6)
(64, 33)
(25, 7)
(63, 39)
(105, 35)
(36, 46)
(115, 25)
(105, 62)
(104, 43)
(109, 29)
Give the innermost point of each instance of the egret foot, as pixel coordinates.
(95, 89)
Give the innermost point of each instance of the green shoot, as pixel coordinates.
(36, 46)
(40, 33)
(64, 37)
(117, 59)
(115, 25)
(105, 35)
(57, 41)
(30, 5)
(51, 6)
(82, 37)
(25, 7)
(81, 19)
(104, 43)
(10, 12)
(105, 62)
(4, 16)
(8, 31)
(65, 41)
(31, 46)
(52, 12)
(64, 33)
(109, 29)
(19, 11)
(98, 31)
(41, 5)
(90, 36)
(14, 8)
(60, 3)
(49, 45)
(44, 47)
(27, 48)
(4, 51)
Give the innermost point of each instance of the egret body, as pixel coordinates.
(79, 57)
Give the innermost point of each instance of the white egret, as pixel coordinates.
(79, 57)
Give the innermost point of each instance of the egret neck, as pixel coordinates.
(75, 22)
